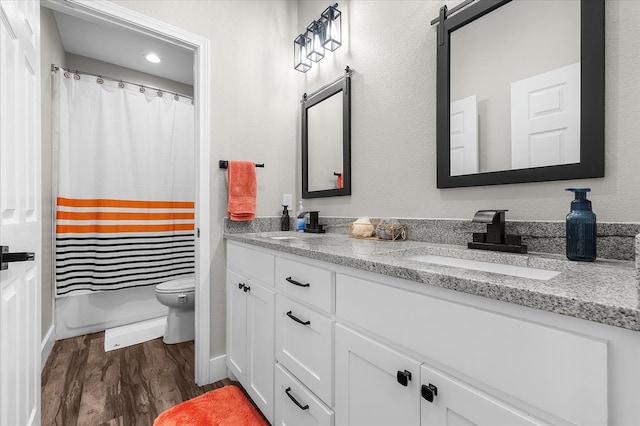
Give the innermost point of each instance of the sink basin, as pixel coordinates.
(496, 268)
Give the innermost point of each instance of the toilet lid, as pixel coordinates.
(177, 286)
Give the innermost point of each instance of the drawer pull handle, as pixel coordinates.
(240, 286)
(403, 377)
(294, 282)
(300, 406)
(298, 320)
(429, 392)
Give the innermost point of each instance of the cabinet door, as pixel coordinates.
(260, 347)
(458, 404)
(368, 390)
(236, 325)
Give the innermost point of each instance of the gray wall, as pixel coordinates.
(392, 49)
(254, 106)
(51, 53)
(93, 66)
(390, 45)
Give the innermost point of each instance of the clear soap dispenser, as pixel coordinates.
(581, 228)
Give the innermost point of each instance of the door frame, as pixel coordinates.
(110, 13)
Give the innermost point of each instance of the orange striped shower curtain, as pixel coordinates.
(125, 209)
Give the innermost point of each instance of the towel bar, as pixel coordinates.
(224, 164)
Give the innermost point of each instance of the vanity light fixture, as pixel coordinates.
(316, 48)
(332, 25)
(300, 45)
(323, 33)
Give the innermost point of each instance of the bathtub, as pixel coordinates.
(92, 312)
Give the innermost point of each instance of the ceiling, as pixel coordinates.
(126, 48)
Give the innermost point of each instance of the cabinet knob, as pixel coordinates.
(429, 392)
(246, 288)
(240, 286)
(404, 377)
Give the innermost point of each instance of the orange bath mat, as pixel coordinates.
(227, 406)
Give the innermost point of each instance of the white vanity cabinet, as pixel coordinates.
(250, 324)
(320, 344)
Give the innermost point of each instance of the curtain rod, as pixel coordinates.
(55, 68)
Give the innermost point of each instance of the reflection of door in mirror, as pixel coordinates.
(515, 42)
(545, 118)
(325, 143)
(464, 136)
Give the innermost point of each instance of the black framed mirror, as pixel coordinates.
(551, 125)
(326, 140)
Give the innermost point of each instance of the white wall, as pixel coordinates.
(392, 49)
(52, 52)
(253, 107)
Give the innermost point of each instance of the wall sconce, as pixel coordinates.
(316, 48)
(300, 47)
(321, 34)
(332, 25)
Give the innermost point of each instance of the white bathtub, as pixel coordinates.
(93, 312)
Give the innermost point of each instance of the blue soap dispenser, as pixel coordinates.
(581, 228)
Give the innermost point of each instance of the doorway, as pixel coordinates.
(123, 19)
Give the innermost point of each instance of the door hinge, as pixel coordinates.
(198, 232)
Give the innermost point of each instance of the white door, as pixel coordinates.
(545, 119)
(375, 385)
(236, 325)
(463, 129)
(261, 347)
(448, 402)
(20, 211)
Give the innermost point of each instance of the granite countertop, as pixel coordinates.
(605, 291)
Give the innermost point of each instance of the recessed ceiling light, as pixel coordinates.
(152, 57)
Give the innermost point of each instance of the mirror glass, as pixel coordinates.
(326, 130)
(511, 92)
(325, 143)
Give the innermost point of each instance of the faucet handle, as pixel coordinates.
(489, 216)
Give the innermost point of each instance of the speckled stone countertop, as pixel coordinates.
(605, 291)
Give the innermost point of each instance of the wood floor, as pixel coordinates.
(83, 385)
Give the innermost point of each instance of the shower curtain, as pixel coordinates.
(125, 185)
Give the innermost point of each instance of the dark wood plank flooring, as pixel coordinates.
(83, 385)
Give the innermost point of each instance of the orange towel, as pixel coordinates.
(242, 190)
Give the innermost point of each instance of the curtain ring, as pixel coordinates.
(176, 97)
(121, 85)
(67, 74)
(159, 93)
(99, 80)
(76, 76)
(142, 89)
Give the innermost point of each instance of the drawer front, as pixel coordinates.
(304, 345)
(308, 283)
(555, 370)
(253, 263)
(295, 405)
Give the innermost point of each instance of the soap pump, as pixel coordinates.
(284, 219)
(581, 228)
(301, 222)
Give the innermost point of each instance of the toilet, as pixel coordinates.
(179, 296)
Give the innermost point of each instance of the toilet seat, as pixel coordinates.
(180, 285)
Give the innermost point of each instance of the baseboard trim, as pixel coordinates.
(218, 368)
(47, 345)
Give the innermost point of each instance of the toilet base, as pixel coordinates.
(180, 326)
